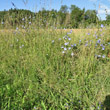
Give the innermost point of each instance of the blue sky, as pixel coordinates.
(35, 5)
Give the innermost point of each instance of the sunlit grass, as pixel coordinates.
(35, 74)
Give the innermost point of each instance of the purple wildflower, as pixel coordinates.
(69, 38)
(63, 52)
(103, 48)
(66, 43)
(102, 25)
(75, 45)
(98, 41)
(103, 56)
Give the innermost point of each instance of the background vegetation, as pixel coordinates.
(66, 17)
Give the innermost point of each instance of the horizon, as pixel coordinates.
(100, 6)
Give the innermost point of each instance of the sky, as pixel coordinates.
(36, 5)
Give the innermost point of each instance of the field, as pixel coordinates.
(55, 69)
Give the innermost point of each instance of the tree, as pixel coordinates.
(64, 9)
(91, 16)
(108, 18)
(62, 14)
(76, 16)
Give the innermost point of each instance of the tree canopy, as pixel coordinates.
(65, 17)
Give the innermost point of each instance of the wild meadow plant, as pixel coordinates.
(44, 67)
(51, 69)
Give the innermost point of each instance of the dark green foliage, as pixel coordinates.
(108, 18)
(76, 16)
(66, 17)
(91, 16)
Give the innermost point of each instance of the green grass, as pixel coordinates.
(36, 75)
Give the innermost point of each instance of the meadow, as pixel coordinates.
(43, 69)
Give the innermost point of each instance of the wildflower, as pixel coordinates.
(52, 41)
(17, 40)
(29, 22)
(88, 33)
(86, 44)
(98, 56)
(98, 107)
(63, 52)
(75, 45)
(23, 19)
(62, 47)
(35, 108)
(98, 41)
(71, 45)
(59, 38)
(17, 28)
(71, 31)
(2, 22)
(69, 48)
(67, 43)
(72, 54)
(96, 36)
(68, 33)
(65, 48)
(100, 103)
(69, 38)
(79, 101)
(103, 56)
(101, 45)
(79, 41)
(103, 48)
(102, 25)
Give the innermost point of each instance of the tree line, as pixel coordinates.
(66, 17)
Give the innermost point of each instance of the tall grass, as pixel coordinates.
(35, 74)
(51, 69)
